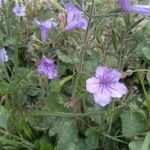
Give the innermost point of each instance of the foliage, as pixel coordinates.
(41, 114)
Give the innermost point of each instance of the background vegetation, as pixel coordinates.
(41, 114)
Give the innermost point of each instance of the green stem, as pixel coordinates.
(147, 97)
(83, 53)
(63, 114)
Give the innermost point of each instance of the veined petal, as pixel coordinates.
(47, 67)
(52, 73)
(100, 71)
(92, 85)
(107, 75)
(117, 90)
(102, 99)
(44, 33)
(140, 9)
(75, 18)
(72, 12)
(103, 96)
(73, 25)
(114, 75)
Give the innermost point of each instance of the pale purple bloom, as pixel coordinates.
(138, 9)
(105, 85)
(75, 18)
(48, 68)
(3, 55)
(1, 2)
(19, 10)
(44, 28)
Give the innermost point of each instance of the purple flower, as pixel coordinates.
(138, 9)
(105, 85)
(124, 4)
(3, 55)
(1, 2)
(19, 10)
(75, 18)
(47, 67)
(44, 28)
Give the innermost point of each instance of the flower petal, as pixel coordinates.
(19, 10)
(84, 23)
(73, 25)
(92, 85)
(75, 18)
(37, 22)
(107, 75)
(49, 24)
(103, 96)
(140, 9)
(44, 33)
(118, 90)
(47, 67)
(100, 71)
(52, 73)
(114, 75)
(3, 55)
(124, 4)
(102, 99)
(72, 12)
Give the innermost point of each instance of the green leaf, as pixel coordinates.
(89, 67)
(146, 143)
(97, 117)
(67, 135)
(114, 39)
(135, 145)
(45, 145)
(72, 146)
(56, 128)
(92, 139)
(10, 41)
(132, 123)
(146, 52)
(3, 118)
(64, 57)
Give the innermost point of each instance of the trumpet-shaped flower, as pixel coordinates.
(45, 27)
(138, 9)
(47, 67)
(3, 55)
(75, 18)
(19, 10)
(105, 85)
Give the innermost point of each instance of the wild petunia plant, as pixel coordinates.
(52, 97)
